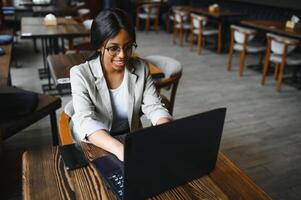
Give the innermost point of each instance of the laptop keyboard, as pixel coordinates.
(112, 170)
(117, 181)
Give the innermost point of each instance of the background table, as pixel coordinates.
(273, 26)
(34, 27)
(44, 177)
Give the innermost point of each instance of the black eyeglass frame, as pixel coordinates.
(133, 46)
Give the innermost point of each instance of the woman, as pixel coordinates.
(110, 90)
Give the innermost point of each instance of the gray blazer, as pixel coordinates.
(92, 103)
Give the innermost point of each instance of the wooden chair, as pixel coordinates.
(200, 28)
(241, 40)
(172, 70)
(65, 133)
(181, 25)
(148, 11)
(278, 50)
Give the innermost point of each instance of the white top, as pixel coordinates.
(120, 106)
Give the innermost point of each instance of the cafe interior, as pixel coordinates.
(243, 55)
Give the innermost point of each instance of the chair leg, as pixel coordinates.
(281, 70)
(231, 49)
(175, 32)
(276, 71)
(230, 58)
(191, 40)
(199, 43)
(157, 25)
(137, 23)
(267, 61)
(280, 76)
(181, 37)
(265, 69)
(147, 21)
(219, 38)
(241, 62)
(243, 55)
(168, 25)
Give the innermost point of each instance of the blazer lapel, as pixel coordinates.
(131, 89)
(101, 85)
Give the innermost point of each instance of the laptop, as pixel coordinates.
(165, 156)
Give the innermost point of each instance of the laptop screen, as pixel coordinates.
(161, 157)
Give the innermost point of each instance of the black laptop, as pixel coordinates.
(161, 157)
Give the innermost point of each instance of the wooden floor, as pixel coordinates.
(262, 133)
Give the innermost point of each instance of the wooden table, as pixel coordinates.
(219, 14)
(47, 105)
(34, 27)
(273, 26)
(61, 64)
(44, 177)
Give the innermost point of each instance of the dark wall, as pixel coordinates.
(94, 6)
(295, 4)
(259, 10)
(292, 4)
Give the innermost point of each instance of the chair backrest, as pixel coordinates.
(180, 16)
(65, 132)
(197, 20)
(241, 32)
(152, 8)
(84, 13)
(172, 70)
(88, 23)
(278, 43)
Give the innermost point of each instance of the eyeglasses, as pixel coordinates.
(127, 49)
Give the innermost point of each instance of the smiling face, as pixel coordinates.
(116, 52)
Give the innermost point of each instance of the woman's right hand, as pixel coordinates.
(120, 153)
(105, 141)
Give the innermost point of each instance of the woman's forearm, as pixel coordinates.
(105, 141)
